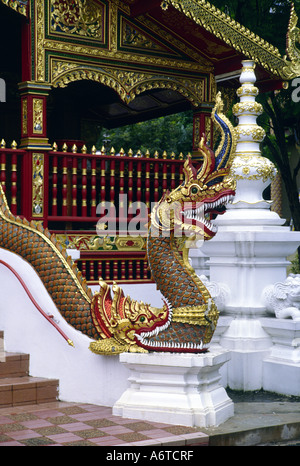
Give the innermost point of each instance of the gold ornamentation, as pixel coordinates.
(231, 32)
(105, 243)
(182, 46)
(247, 90)
(39, 40)
(83, 18)
(247, 108)
(20, 7)
(253, 167)
(127, 84)
(130, 243)
(292, 66)
(37, 184)
(24, 116)
(133, 37)
(37, 116)
(255, 132)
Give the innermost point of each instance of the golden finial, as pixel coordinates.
(84, 149)
(156, 154)
(122, 152)
(181, 156)
(102, 150)
(165, 155)
(139, 153)
(112, 151)
(130, 153)
(54, 147)
(147, 154)
(14, 145)
(2, 144)
(94, 150)
(74, 148)
(64, 147)
(173, 155)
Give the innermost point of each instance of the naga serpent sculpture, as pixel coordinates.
(117, 324)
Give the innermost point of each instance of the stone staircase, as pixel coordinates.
(17, 388)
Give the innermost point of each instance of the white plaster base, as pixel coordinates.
(180, 389)
(248, 344)
(281, 368)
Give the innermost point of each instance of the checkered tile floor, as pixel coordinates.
(75, 424)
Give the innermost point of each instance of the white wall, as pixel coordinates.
(83, 376)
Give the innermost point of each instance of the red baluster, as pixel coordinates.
(138, 270)
(130, 270)
(65, 187)
(103, 182)
(147, 185)
(130, 178)
(83, 268)
(99, 269)
(123, 270)
(93, 188)
(74, 186)
(115, 271)
(139, 183)
(92, 271)
(156, 181)
(165, 175)
(121, 181)
(145, 269)
(54, 184)
(173, 171)
(84, 188)
(3, 171)
(14, 178)
(107, 270)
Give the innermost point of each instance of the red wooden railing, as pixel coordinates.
(80, 181)
(11, 169)
(77, 182)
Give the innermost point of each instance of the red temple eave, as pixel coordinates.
(213, 45)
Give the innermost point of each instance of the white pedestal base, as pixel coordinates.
(281, 369)
(248, 344)
(180, 389)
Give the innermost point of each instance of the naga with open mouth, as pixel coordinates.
(116, 324)
(188, 318)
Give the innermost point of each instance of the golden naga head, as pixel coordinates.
(190, 208)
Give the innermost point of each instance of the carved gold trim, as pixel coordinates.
(60, 45)
(231, 32)
(292, 66)
(127, 84)
(37, 105)
(20, 7)
(106, 243)
(193, 315)
(25, 116)
(37, 184)
(80, 18)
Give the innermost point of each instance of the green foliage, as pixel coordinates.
(172, 133)
(267, 18)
